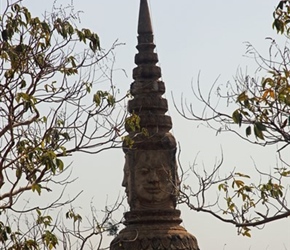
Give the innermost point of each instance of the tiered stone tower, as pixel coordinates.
(150, 171)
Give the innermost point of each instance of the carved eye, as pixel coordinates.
(144, 171)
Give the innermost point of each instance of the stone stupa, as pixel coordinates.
(150, 172)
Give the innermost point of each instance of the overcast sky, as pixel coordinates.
(191, 37)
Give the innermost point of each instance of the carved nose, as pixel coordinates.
(153, 177)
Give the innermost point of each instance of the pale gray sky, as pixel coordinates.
(191, 36)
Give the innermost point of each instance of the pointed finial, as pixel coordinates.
(147, 90)
(144, 25)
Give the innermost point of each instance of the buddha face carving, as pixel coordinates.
(148, 179)
(153, 178)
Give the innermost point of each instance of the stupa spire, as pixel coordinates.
(144, 24)
(150, 172)
(147, 90)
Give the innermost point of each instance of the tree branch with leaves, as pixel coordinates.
(259, 114)
(51, 105)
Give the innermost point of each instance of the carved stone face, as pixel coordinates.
(149, 182)
(154, 184)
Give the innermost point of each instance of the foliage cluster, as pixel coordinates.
(49, 109)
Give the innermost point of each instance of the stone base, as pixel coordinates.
(155, 230)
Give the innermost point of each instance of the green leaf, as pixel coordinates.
(242, 175)
(97, 99)
(18, 173)
(111, 100)
(237, 117)
(238, 183)
(279, 25)
(285, 173)
(133, 122)
(260, 126)
(248, 131)
(3, 236)
(27, 14)
(59, 164)
(8, 230)
(22, 84)
(38, 212)
(95, 41)
(36, 187)
(247, 233)
(223, 187)
(248, 188)
(45, 27)
(87, 32)
(81, 36)
(258, 133)
(128, 141)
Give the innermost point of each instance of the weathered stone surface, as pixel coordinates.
(148, 102)
(157, 229)
(147, 87)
